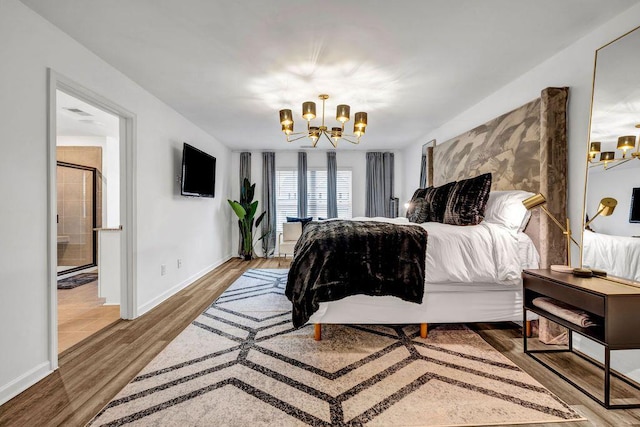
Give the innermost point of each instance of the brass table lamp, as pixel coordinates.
(539, 201)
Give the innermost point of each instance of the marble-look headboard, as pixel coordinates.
(525, 149)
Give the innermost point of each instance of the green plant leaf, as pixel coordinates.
(238, 209)
(259, 220)
(252, 209)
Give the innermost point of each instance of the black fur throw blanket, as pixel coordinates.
(336, 259)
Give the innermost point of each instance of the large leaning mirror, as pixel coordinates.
(611, 239)
(426, 163)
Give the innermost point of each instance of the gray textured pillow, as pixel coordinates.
(418, 211)
(467, 201)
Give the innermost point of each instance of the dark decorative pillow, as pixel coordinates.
(437, 200)
(304, 221)
(419, 193)
(467, 201)
(418, 211)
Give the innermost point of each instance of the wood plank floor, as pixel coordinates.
(93, 371)
(81, 313)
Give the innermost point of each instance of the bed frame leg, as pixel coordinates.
(423, 330)
(317, 331)
(527, 328)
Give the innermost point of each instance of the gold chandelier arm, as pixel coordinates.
(348, 139)
(330, 140)
(295, 139)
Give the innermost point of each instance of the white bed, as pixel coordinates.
(525, 149)
(473, 274)
(617, 255)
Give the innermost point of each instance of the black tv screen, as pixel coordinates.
(634, 215)
(198, 172)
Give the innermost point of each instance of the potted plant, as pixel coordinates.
(246, 209)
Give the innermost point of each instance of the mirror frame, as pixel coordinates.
(587, 157)
(427, 157)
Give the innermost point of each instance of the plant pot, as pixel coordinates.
(248, 257)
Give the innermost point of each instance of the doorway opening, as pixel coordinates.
(87, 189)
(91, 213)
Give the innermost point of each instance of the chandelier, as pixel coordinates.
(314, 133)
(625, 143)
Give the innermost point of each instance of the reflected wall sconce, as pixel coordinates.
(539, 201)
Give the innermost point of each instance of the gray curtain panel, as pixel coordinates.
(245, 172)
(423, 171)
(379, 184)
(302, 184)
(269, 203)
(245, 166)
(332, 185)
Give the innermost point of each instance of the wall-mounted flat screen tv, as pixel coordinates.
(634, 215)
(198, 173)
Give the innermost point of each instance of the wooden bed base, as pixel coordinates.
(317, 330)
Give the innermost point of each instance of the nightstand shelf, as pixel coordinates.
(615, 307)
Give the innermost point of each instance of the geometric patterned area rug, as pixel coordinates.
(77, 280)
(241, 363)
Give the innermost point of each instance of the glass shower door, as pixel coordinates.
(76, 186)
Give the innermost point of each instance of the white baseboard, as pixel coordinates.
(142, 309)
(24, 381)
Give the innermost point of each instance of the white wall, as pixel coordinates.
(617, 183)
(169, 226)
(571, 67)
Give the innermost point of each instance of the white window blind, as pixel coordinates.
(287, 194)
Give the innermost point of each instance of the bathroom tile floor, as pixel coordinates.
(81, 313)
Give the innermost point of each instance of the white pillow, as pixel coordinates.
(505, 208)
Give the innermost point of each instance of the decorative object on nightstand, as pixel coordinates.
(539, 201)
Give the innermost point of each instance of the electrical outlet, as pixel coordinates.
(163, 270)
(179, 263)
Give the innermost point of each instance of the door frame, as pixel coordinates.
(128, 123)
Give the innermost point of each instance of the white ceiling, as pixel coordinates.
(229, 66)
(77, 118)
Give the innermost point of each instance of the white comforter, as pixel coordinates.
(484, 253)
(617, 255)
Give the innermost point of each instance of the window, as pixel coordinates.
(287, 194)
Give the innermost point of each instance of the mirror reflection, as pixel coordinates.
(611, 240)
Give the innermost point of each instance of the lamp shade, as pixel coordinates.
(627, 142)
(594, 148)
(534, 201)
(607, 206)
(288, 129)
(361, 120)
(342, 113)
(607, 156)
(285, 117)
(309, 110)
